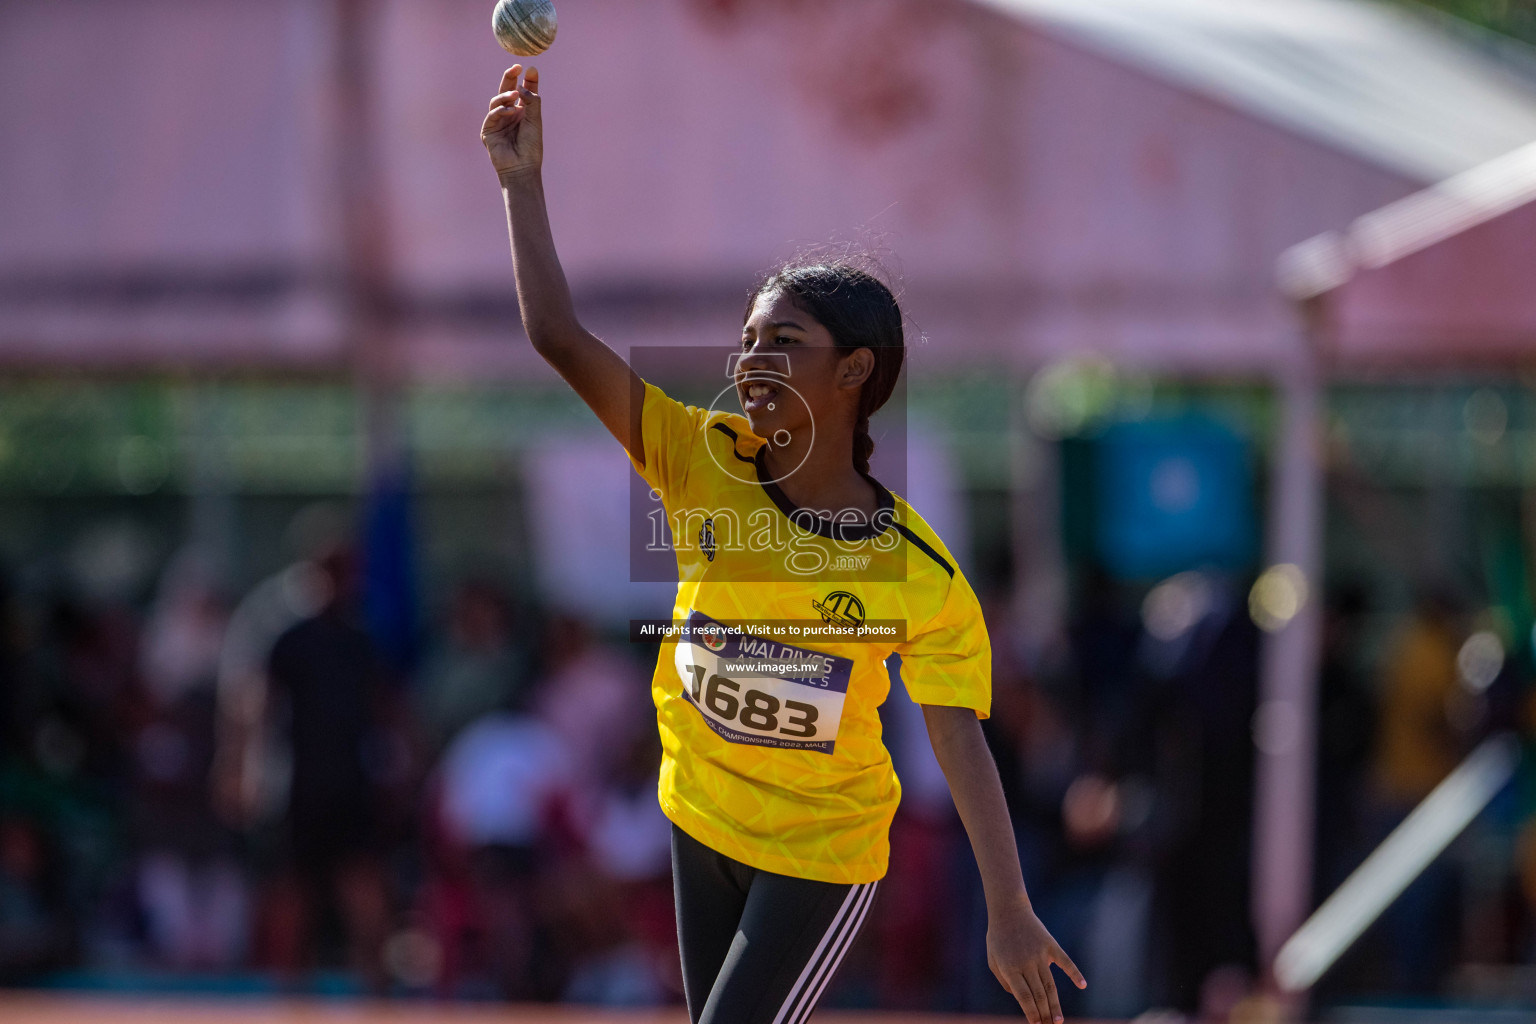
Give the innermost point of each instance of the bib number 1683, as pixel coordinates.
(754, 709)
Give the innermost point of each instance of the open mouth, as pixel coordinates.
(757, 394)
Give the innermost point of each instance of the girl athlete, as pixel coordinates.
(773, 773)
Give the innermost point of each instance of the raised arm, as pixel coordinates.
(1019, 949)
(513, 134)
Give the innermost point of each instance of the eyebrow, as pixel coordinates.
(783, 323)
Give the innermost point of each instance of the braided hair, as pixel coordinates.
(859, 311)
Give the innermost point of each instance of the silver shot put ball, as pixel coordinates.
(524, 27)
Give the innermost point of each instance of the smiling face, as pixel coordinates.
(822, 383)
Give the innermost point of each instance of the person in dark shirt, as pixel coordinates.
(327, 672)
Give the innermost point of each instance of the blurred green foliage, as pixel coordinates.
(1515, 18)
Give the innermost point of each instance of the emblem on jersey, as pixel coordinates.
(713, 636)
(707, 538)
(840, 608)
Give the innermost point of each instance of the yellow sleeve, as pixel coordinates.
(948, 662)
(668, 431)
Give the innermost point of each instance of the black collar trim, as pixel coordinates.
(810, 522)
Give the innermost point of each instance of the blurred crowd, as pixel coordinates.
(210, 784)
(214, 784)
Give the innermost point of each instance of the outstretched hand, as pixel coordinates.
(513, 131)
(1020, 952)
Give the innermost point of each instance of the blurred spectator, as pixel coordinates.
(191, 887)
(34, 928)
(500, 783)
(476, 669)
(1346, 723)
(911, 928)
(1103, 636)
(629, 836)
(81, 698)
(15, 701)
(598, 700)
(630, 957)
(326, 672)
(1417, 746)
(1200, 659)
(87, 681)
(251, 767)
(595, 697)
(1032, 740)
(554, 869)
(184, 633)
(1103, 892)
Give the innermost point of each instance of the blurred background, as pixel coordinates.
(314, 669)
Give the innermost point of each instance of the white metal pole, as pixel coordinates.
(1286, 723)
(1392, 866)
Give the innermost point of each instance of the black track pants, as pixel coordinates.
(758, 948)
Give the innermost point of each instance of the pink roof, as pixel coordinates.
(1441, 276)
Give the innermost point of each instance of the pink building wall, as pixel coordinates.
(1036, 197)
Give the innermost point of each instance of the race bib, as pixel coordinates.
(763, 692)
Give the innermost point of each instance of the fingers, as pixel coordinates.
(528, 86)
(1042, 1005)
(1060, 958)
(529, 91)
(1018, 987)
(518, 95)
(500, 119)
(510, 110)
(1024, 986)
(1049, 984)
(1026, 999)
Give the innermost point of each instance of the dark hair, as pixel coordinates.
(859, 311)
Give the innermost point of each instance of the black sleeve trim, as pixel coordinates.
(923, 546)
(728, 432)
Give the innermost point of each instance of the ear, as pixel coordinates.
(855, 369)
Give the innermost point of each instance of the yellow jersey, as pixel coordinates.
(767, 696)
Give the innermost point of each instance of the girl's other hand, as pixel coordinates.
(1020, 952)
